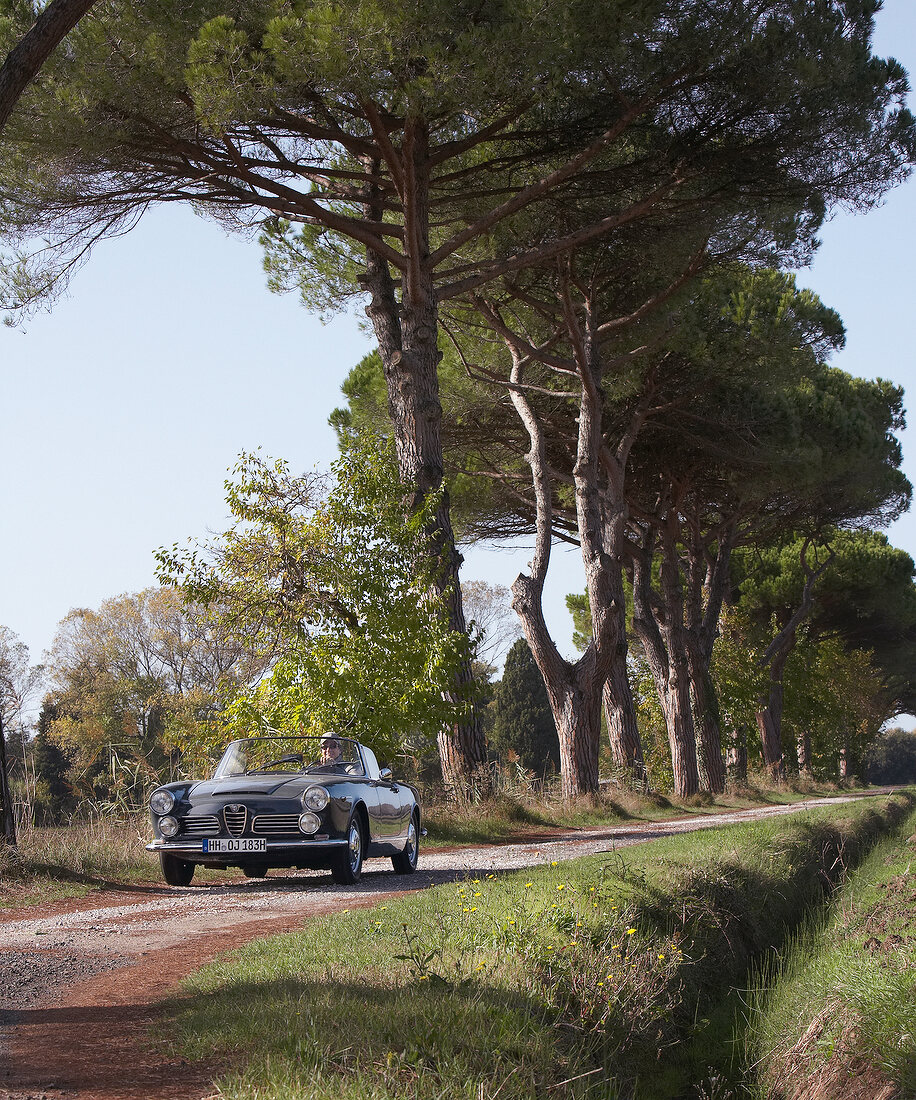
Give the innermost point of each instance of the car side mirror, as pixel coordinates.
(385, 774)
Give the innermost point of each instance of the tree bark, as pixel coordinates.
(769, 714)
(6, 798)
(574, 690)
(707, 577)
(668, 667)
(575, 699)
(844, 766)
(24, 61)
(803, 746)
(407, 334)
(626, 744)
(769, 723)
(736, 756)
(706, 718)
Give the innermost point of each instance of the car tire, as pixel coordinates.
(175, 871)
(405, 863)
(254, 872)
(348, 866)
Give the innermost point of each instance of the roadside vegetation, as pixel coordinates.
(55, 862)
(835, 1016)
(69, 861)
(600, 977)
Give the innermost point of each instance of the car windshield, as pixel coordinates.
(329, 753)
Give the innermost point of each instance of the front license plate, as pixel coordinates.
(258, 844)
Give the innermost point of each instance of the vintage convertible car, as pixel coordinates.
(317, 802)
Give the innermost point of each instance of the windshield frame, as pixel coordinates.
(237, 756)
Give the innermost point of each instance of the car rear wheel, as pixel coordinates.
(254, 872)
(348, 865)
(175, 871)
(405, 863)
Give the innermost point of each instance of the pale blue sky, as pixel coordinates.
(124, 406)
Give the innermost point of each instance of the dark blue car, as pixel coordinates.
(308, 802)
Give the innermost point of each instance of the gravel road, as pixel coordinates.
(44, 952)
(131, 946)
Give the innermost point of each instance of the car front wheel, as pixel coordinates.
(405, 863)
(175, 871)
(348, 865)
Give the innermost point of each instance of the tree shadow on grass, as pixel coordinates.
(421, 1037)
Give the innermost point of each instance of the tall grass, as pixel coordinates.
(841, 998)
(72, 860)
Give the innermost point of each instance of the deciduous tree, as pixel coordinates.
(332, 577)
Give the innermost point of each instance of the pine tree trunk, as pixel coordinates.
(706, 719)
(8, 822)
(769, 721)
(407, 333)
(675, 701)
(626, 744)
(803, 745)
(668, 668)
(736, 756)
(578, 717)
(572, 690)
(623, 732)
(771, 744)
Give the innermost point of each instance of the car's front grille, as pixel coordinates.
(275, 823)
(235, 818)
(200, 826)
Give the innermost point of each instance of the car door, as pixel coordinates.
(388, 806)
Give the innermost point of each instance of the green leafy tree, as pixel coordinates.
(54, 798)
(861, 590)
(123, 675)
(892, 757)
(334, 580)
(524, 723)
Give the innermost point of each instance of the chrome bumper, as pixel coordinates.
(196, 847)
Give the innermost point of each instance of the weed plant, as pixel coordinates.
(589, 978)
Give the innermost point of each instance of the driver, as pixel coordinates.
(331, 754)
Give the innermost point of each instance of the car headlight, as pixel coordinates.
(308, 822)
(168, 826)
(315, 798)
(161, 802)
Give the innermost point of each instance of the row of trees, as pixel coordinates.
(729, 464)
(549, 221)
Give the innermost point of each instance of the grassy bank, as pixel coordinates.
(836, 1018)
(601, 977)
(69, 862)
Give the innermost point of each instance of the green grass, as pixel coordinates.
(598, 977)
(842, 998)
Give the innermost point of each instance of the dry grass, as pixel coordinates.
(71, 860)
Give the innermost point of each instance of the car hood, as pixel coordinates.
(284, 786)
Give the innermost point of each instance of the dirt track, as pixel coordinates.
(80, 980)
